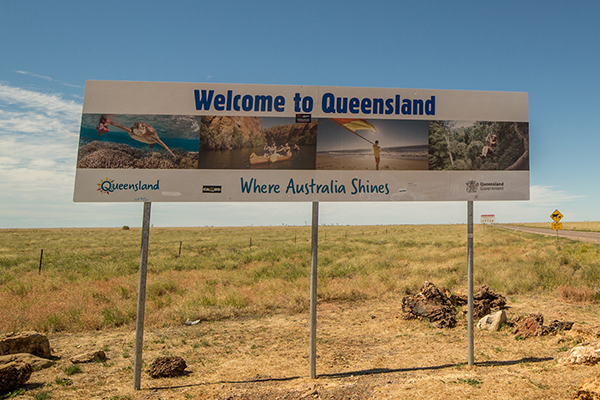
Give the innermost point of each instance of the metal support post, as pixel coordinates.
(470, 279)
(141, 305)
(313, 290)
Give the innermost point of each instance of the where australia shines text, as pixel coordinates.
(330, 103)
(333, 187)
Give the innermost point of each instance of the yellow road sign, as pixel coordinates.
(556, 216)
(557, 226)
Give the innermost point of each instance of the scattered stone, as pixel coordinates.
(588, 390)
(91, 356)
(556, 326)
(527, 326)
(312, 393)
(35, 362)
(492, 322)
(585, 353)
(25, 342)
(587, 331)
(166, 367)
(13, 375)
(533, 325)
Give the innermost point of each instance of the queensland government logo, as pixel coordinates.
(108, 186)
(473, 186)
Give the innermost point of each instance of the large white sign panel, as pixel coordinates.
(152, 141)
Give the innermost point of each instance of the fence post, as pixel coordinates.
(41, 258)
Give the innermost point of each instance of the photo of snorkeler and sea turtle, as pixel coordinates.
(130, 141)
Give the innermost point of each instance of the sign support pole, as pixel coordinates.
(313, 290)
(470, 279)
(141, 305)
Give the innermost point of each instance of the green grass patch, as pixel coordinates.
(14, 393)
(72, 369)
(44, 395)
(475, 382)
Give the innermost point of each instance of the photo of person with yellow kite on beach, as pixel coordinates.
(373, 144)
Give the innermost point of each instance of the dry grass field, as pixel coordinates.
(587, 226)
(249, 287)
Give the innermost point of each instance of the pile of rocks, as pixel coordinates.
(20, 354)
(439, 306)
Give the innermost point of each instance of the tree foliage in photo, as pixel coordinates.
(453, 147)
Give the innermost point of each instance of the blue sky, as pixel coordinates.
(49, 49)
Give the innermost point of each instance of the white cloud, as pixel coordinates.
(38, 137)
(549, 195)
(46, 78)
(48, 104)
(37, 123)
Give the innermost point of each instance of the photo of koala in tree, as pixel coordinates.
(480, 145)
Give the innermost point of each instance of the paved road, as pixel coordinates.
(591, 237)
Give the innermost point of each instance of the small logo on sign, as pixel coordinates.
(106, 186)
(472, 186)
(303, 118)
(211, 189)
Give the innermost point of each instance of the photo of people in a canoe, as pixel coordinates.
(371, 144)
(257, 142)
(478, 145)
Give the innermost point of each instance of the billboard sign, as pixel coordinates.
(159, 141)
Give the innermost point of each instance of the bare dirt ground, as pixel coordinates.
(365, 351)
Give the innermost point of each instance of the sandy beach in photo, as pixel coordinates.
(368, 163)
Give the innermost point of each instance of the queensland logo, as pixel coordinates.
(472, 186)
(108, 186)
(105, 186)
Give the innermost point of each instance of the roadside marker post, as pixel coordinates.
(557, 226)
